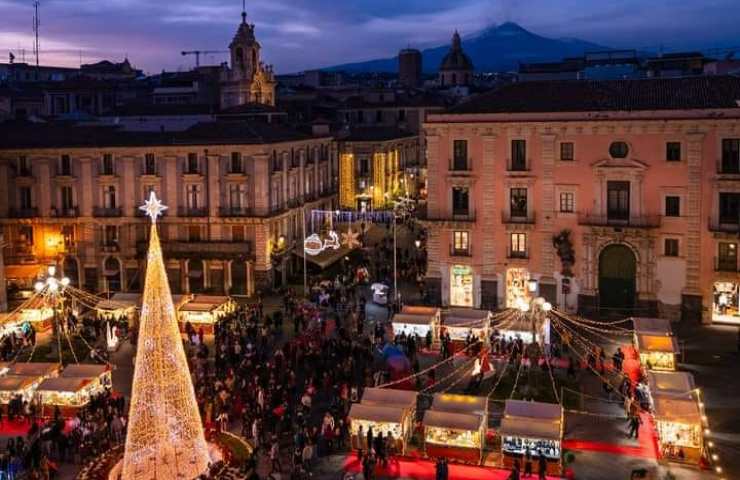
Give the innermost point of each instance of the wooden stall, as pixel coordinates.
(535, 426)
(455, 436)
(43, 370)
(679, 423)
(69, 394)
(431, 316)
(203, 311)
(120, 306)
(40, 317)
(657, 352)
(456, 403)
(393, 421)
(13, 385)
(520, 326)
(461, 322)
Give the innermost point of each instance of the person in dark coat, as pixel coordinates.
(542, 467)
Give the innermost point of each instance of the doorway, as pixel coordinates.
(617, 280)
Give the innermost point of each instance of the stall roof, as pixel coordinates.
(450, 402)
(390, 397)
(22, 272)
(376, 413)
(35, 369)
(674, 409)
(670, 382)
(198, 307)
(409, 319)
(84, 370)
(64, 384)
(657, 343)
(653, 326)
(467, 317)
(217, 300)
(121, 301)
(16, 383)
(455, 421)
(540, 410)
(536, 428)
(420, 310)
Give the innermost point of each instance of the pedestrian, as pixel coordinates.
(514, 475)
(527, 463)
(275, 455)
(542, 467)
(635, 423)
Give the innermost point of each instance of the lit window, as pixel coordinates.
(461, 242)
(518, 245)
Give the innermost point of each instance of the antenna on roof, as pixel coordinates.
(244, 11)
(36, 23)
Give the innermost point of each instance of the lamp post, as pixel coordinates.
(537, 308)
(53, 287)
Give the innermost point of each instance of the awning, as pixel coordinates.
(652, 326)
(420, 310)
(198, 307)
(674, 409)
(653, 343)
(670, 382)
(16, 383)
(468, 404)
(375, 413)
(453, 421)
(120, 301)
(466, 317)
(406, 319)
(389, 397)
(22, 272)
(521, 408)
(534, 428)
(64, 384)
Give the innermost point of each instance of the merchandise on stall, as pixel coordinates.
(67, 393)
(12, 386)
(417, 320)
(203, 311)
(41, 317)
(462, 322)
(679, 423)
(455, 436)
(657, 352)
(393, 421)
(520, 327)
(535, 426)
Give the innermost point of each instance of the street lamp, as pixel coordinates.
(54, 287)
(417, 242)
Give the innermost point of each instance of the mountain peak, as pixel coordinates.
(504, 29)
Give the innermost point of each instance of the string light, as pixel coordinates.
(165, 435)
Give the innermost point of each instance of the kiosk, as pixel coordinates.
(203, 311)
(535, 426)
(657, 352)
(456, 436)
(119, 307)
(679, 424)
(460, 322)
(415, 325)
(388, 420)
(669, 383)
(69, 394)
(12, 386)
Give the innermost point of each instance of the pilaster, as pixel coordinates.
(85, 196)
(547, 266)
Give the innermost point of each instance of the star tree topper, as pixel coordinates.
(351, 239)
(153, 207)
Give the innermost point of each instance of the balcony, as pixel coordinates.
(235, 212)
(455, 217)
(460, 252)
(107, 211)
(521, 218)
(295, 202)
(517, 255)
(110, 247)
(724, 225)
(726, 264)
(63, 173)
(192, 211)
(71, 212)
(634, 221)
(201, 250)
(30, 212)
(517, 165)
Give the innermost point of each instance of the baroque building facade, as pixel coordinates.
(618, 197)
(235, 203)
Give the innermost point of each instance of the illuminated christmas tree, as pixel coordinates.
(165, 436)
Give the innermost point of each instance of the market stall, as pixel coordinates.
(12, 386)
(455, 403)
(120, 307)
(42, 370)
(657, 352)
(40, 317)
(669, 383)
(69, 394)
(533, 426)
(460, 323)
(203, 311)
(679, 424)
(101, 372)
(455, 436)
(417, 320)
(393, 421)
(520, 327)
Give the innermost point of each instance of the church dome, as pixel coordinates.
(456, 59)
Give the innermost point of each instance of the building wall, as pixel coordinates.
(205, 220)
(663, 283)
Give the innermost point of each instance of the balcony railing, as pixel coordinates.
(25, 172)
(192, 212)
(460, 252)
(516, 254)
(30, 212)
(726, 225)
(235, 212)
(295, 202)
(71, 212)
(725, 264)
(107, 211)
(453, 216)
(634, 221)
(518, 217)
(201, 249)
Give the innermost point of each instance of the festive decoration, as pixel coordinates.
(153, 207)
(564, 248)
(313, 245)
(351, 239)
(347, 184)
(165, 435)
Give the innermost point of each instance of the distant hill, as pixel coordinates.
(495, 49)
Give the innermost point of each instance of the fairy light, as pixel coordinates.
(165, 435)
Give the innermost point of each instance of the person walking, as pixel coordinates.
(514, 475)
(527, 463)
(275, 456)
(541, 467)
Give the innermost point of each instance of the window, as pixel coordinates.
(236, 163)
(460, 155)
(618, 150)
(730, 155)
(729, 208)
(567, 202)
(670, 247)
(618, 200)
(360, 116)
(237, 233)
(460, 201)
(672, 206)
(24, 197)
(237, 196)
(727, 256)
(107, 167)
(65, 165)
(109, 196)
(402, 115)
(566, 152)
(192, 163)
(150, 164)
(194, 233)
(192, 197)
(461, 242)
(673, 152)
(25, 234)
(518, 197)
(518, 245)
(24, 167)
(67, 198)
(364, 167)
(68, 235)
(518, 155)
(110, 235)
(379, 116)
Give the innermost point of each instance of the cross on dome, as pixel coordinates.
(153, 207)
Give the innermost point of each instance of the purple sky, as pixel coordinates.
(300, 34)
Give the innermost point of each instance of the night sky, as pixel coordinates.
(300, 34)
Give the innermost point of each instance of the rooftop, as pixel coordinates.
(374, 134)
(689, 93)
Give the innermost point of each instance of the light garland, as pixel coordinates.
(165, 437)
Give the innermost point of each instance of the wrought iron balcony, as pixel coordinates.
(724, 224)
(517, 255)
(725, 264)
(460, 252)
(71, 212)
(235, 212)
(192, 211)
(107, 211)
(633, 221)
(29, 212)
(518, 217)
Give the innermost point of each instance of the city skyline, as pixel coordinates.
(84, 31)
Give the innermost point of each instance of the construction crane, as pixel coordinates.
(198, 53)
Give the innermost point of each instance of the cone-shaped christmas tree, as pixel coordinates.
(165, 436)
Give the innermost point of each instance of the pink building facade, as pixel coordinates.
(618, 197)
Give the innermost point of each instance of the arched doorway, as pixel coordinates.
(196, 276)
(112, 274)
(71, 271)
(617, 280)
(238, 277)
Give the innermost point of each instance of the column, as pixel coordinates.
(261, 184)
(547, 213)
(85, 194)
(43, 197)
(128, 185)
(693, 227)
